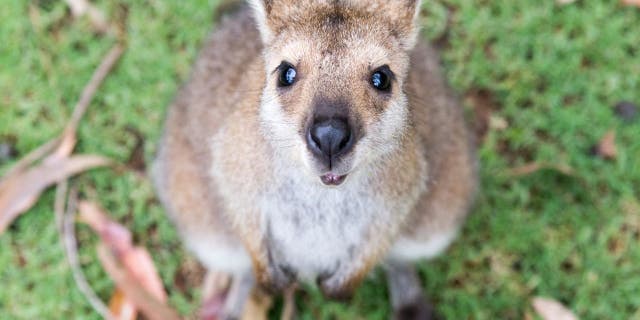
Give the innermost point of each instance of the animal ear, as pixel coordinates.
(404, 16)
(262, 10)
(272, 15)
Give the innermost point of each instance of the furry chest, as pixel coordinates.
(315, 231)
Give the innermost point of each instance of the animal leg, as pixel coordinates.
(405, 291)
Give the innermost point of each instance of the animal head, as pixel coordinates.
(334, 98)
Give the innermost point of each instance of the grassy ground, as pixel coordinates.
(551, 72)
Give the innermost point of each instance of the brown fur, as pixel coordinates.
(213, 193)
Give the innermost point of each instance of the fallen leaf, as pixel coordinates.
(135, 260)
(635, 3)
(606, 148)
(28, 160)
(22, 185)
(549, 309)
(532, 167)
(129, 266)
(20, 192)
(143, 299)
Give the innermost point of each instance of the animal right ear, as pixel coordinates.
(262, 11)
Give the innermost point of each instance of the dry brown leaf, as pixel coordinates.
(50, 163)
(150, 306)
(130, 267)
(606, 148)
(22, 185)
(28, 160)
(532, 167)
(135, 260)
(549, 309)
(635, 3)
(140, 264)
(19, 193)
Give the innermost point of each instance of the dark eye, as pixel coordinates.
(381, 79)
(287, 74)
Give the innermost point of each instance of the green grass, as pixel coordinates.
(552, 72)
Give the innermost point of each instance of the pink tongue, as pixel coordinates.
(332, 179)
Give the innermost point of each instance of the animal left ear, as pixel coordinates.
(261, 11)
(404, 16)
(273, 15)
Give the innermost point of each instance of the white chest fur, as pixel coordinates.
(313, 228)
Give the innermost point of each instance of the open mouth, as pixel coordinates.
(331, 179)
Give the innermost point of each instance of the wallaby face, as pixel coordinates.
(333, 100)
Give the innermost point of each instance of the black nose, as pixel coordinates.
(330, 138)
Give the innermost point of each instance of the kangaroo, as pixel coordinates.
(315, 140)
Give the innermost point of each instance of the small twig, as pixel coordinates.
(59, 206)
(63, 144)
(67, 234)
(108, 62)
